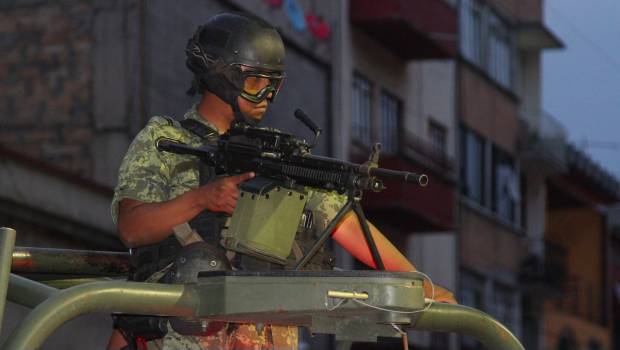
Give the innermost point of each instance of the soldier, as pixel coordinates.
(238, 66)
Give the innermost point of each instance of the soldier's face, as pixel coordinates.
(251, 109)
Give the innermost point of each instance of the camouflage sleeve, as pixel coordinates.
(324, 205)
(143, 174)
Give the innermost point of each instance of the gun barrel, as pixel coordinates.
(420, 179)
(172, 146)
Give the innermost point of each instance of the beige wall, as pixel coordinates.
(426, 88)
(487, 245)
(487, 110)
(379, 64)
(523, 10)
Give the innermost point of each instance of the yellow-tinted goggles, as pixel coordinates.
(258, 86)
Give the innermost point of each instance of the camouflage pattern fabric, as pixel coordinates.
(150, 176)
(243, 337)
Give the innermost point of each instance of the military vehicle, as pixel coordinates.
(62, 284)
(352, 305)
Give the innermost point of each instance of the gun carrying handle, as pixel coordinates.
(303, 117)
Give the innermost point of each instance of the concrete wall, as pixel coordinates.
(487, 110)
(431, 96)
(80, 211)
(488, 246)
(45, 80)
(523, 10)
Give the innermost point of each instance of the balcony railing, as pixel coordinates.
(542, 141)
(544, 271)
(415, 146)
(581, 300)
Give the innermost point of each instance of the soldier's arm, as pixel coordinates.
(141, 223)
(350, 236)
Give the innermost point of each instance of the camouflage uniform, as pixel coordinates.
(151, 176)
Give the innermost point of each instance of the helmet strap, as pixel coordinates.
(226, 82)
(240, 117)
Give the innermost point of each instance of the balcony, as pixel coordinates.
(542, 141)
(408, 206)
(544, 272)
(582, 300)
(412, 29)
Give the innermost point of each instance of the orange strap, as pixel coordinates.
(350, 236)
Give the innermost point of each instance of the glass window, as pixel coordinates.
(503, 307)
(506, 186)
(437, 136)
(487, 41)
(390, 116)
(500, 62)
(472, 165)
(472, 295)
(361, 109)
(471, 30)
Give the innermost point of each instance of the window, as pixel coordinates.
(361, 109)
(437, 136)
(487, 41)
(390, 116)
(503, 307)
(471, 30)
(499, 300)
(472, 295)
(499, 59)
(506, 186)
(472, 165)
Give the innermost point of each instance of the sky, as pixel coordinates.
(581, 83)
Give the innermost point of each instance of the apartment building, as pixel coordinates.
(498, 79)
(534, 243)
(398, 60)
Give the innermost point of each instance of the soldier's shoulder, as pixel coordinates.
(164, 126)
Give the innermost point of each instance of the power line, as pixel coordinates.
(610, 59)
(611, 145)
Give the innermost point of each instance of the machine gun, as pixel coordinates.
(288, 161)
(281, 156)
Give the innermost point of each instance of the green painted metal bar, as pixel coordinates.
(126, 297)
(28, 260)
(27, 292)
(468, 321)
(64, 283)
(7, 242)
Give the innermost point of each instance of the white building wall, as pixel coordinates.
(431, 96)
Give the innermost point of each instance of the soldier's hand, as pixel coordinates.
(221, 195)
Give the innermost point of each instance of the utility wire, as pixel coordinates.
(609, 58)
(611, 145)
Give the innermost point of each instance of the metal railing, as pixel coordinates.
(547, 265)
(52, 307)
(416, 144)
(543, 125)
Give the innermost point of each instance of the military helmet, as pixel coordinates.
(237, 54)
